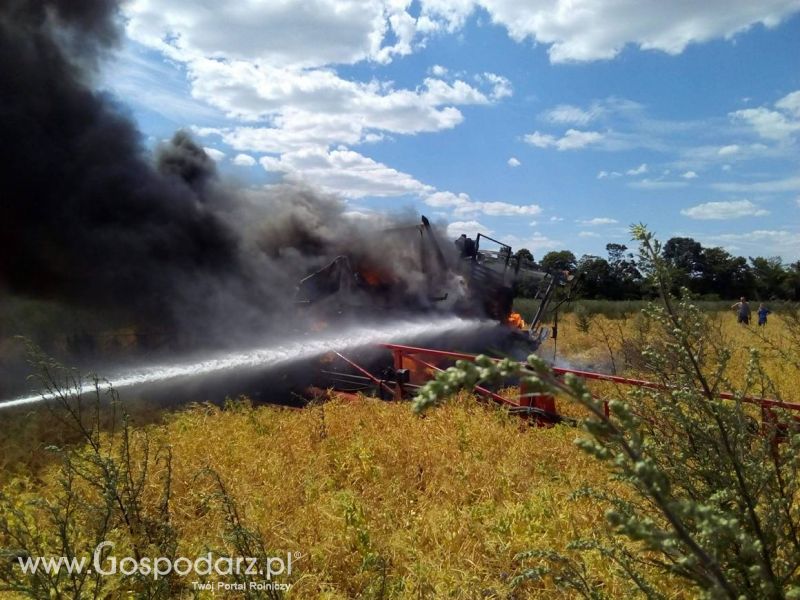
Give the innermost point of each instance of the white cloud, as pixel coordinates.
(539, 242)
(656, 184)
(137, 79)
(462, 205)
(274, 63)
(778, 124)
(598, 221)
(732, 209)
(500, 86)
(571, 140)
(601, 29)
(689, 175)
(244, 160)
(344, 172)
(294, 131)
(763, 234)
(353, 175)
(470, 228)
(788, 184)
(625, 125)
(728, 150)
(540, 140)
(641, 169)
(608, 174)
(566, 114)
(361, 215)
(318, 108)
(790, 104)
(277, 67)
(768, 123)
(587, 234)
(289, 33)
(760, 242)
(513, 162)
(555, 219)
(216, 155)
(249, 91)
(501, 209)
(703, 156)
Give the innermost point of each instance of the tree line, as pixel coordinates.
(709, 272)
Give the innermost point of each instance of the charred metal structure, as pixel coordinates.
(471, 278)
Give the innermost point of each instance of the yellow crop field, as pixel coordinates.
(607, 345)
(380, 502)
(374, 501)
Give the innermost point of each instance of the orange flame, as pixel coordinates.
(515, 320)
(371, 277)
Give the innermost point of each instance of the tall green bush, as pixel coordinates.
(708, 496)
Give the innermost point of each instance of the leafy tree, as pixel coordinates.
(710, 271)
(723, 275)
(524, 256)
(791, 285)
(769, 276)
(561, 260)
(684, 254)
(525, 285)
(716, 277)
(616, 252)
(684, 258)
(624, 273)
(595, 276)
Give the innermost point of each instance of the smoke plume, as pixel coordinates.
(89, 219)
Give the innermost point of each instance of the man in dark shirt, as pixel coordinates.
(466, 246)
(742, 309)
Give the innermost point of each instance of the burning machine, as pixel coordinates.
(471, 278)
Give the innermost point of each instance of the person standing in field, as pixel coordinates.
(763, 311)
(742, 309)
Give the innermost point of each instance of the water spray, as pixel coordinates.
(273, 356)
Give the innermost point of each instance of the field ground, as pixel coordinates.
(376, 498)
(381, 503)
(619, 309)
(603, 340)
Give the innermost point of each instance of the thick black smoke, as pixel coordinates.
(89, 219)
(85, 217)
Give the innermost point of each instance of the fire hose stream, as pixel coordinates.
(277, 355)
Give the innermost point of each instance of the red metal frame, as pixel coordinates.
(658, 386)
(367, 374)
(542, 407)
(481, 390)
(544, 404)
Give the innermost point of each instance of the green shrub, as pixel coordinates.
(706, 496)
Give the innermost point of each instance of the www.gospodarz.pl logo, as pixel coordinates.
(106, 564)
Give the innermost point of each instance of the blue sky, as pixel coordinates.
(550, 123)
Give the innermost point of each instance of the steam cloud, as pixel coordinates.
(89, 219)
